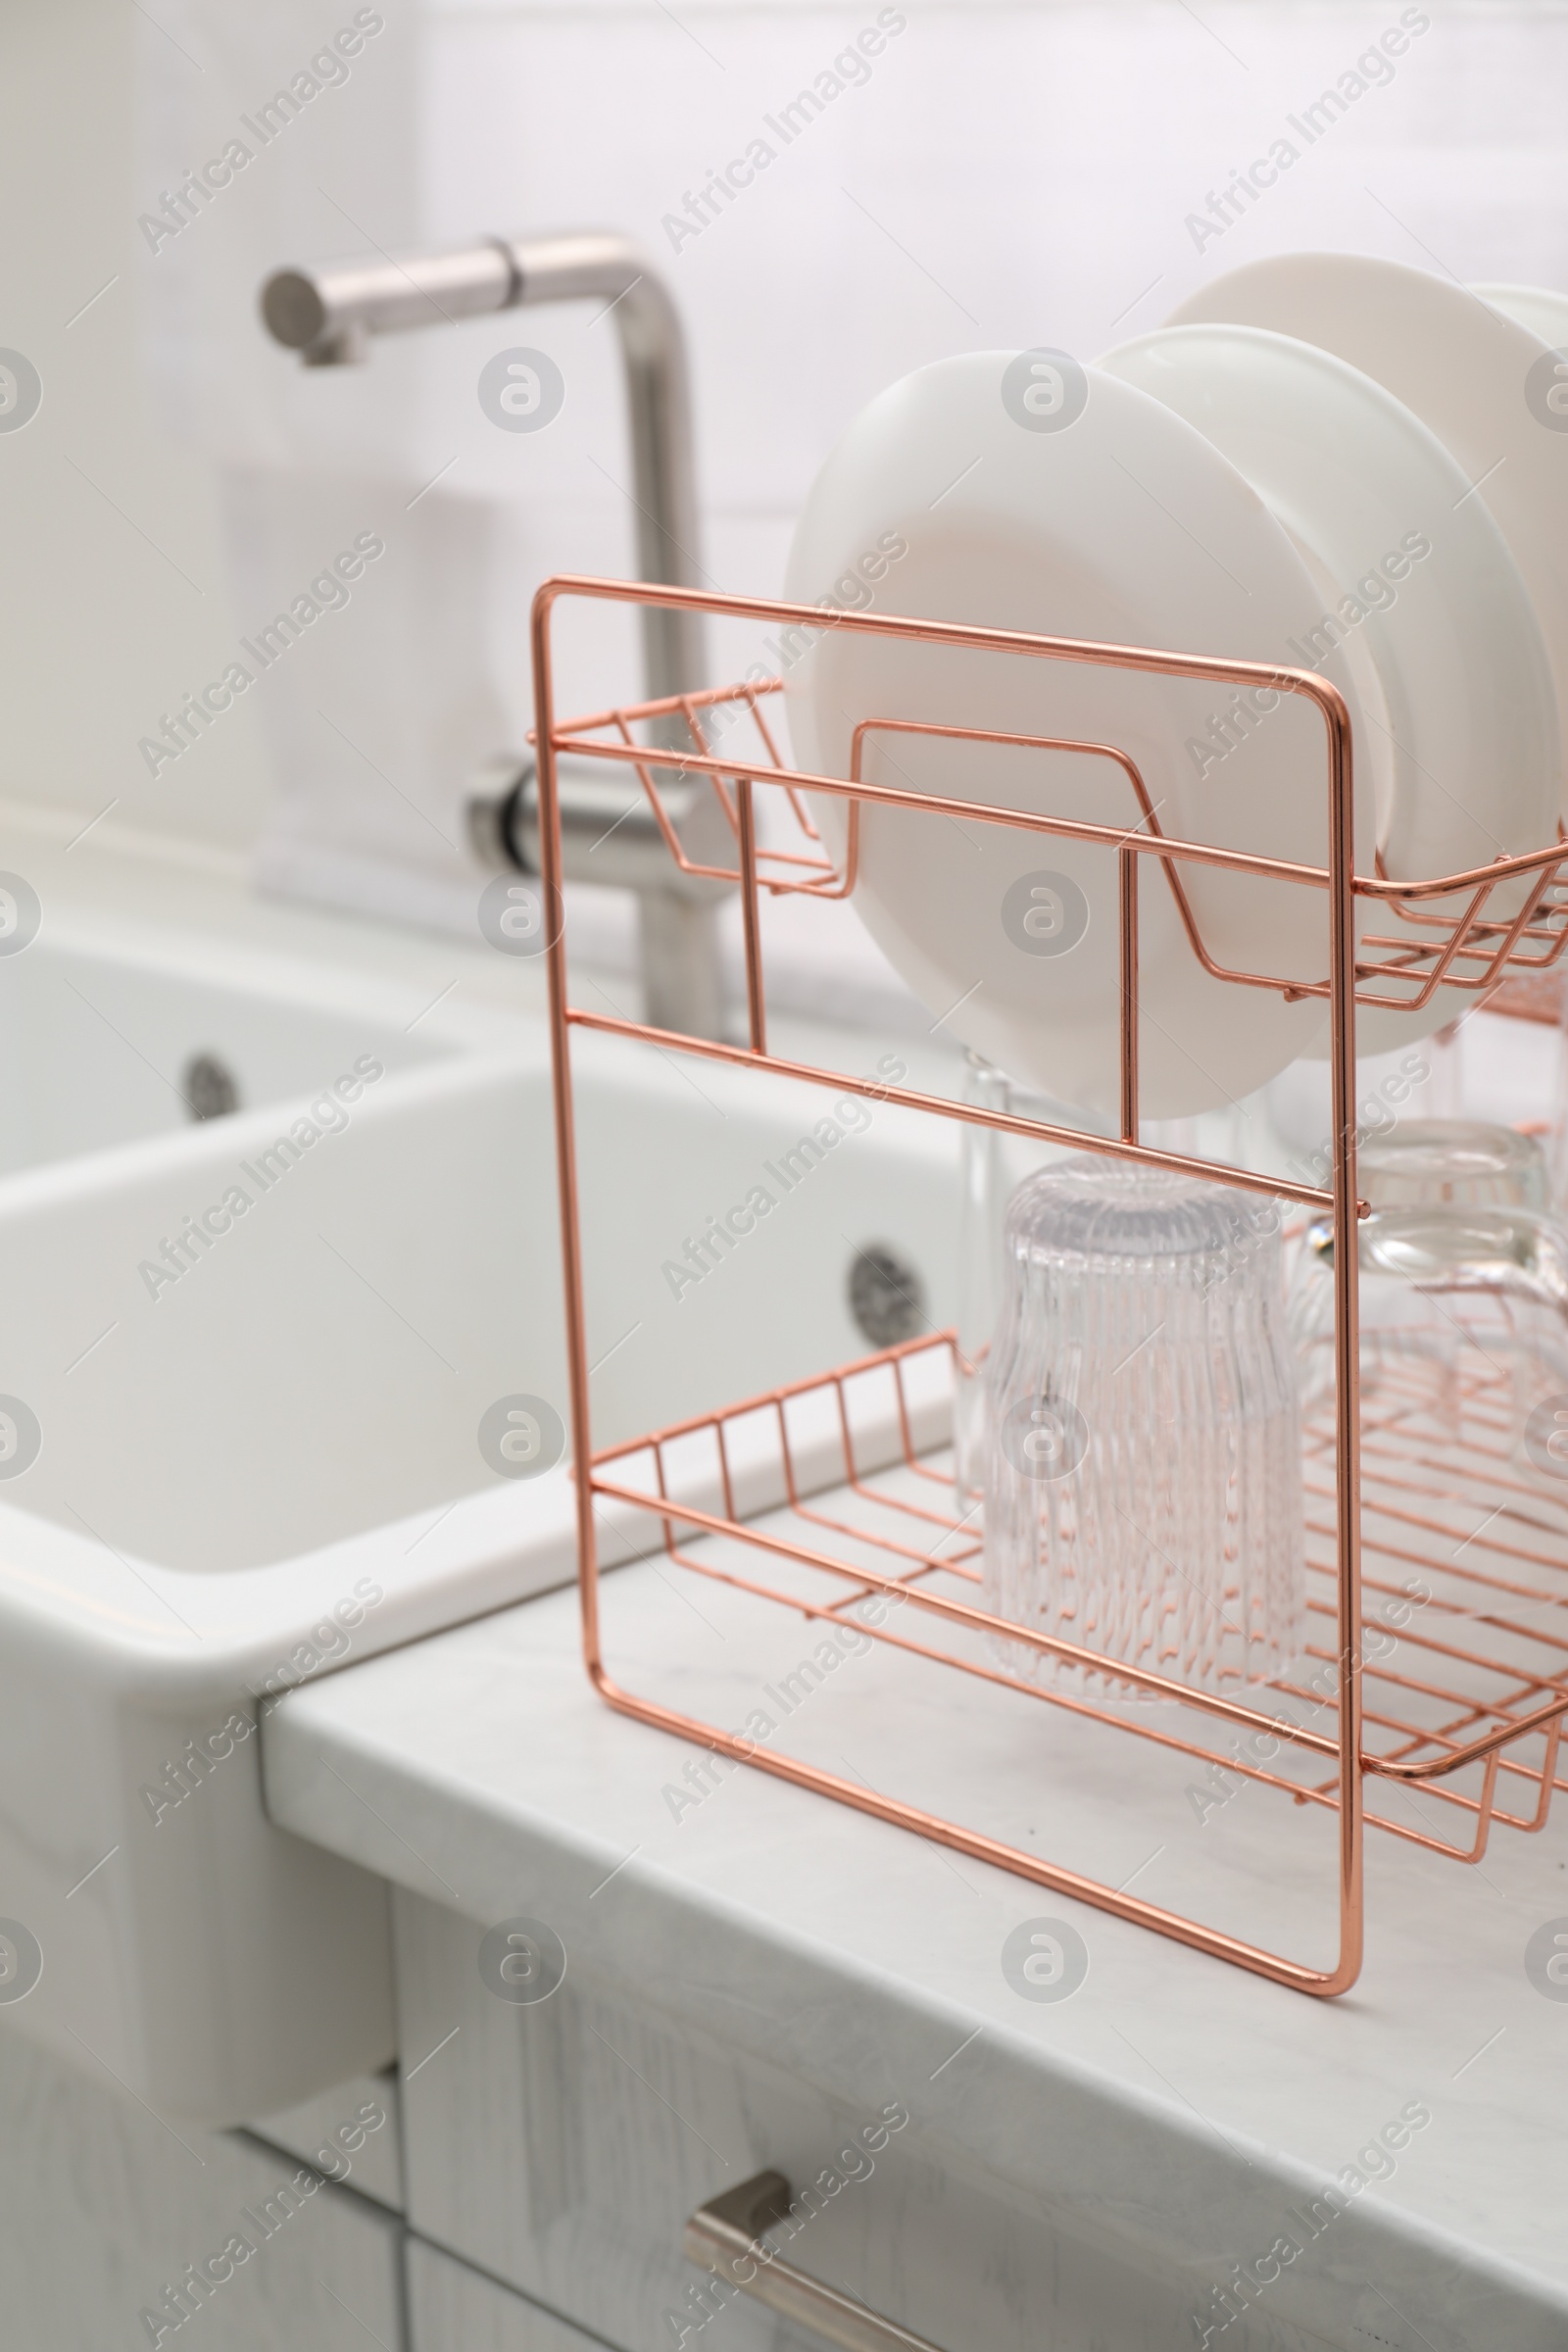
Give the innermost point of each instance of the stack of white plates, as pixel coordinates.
(1323, 464)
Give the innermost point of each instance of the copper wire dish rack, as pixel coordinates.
(1467, 1705)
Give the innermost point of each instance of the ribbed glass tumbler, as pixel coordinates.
(1144, 1468)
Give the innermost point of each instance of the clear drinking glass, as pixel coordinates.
(1465, 1341)
(1454, 1163)
(1143, 1465)
(994, 1165)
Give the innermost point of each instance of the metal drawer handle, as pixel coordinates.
(724, 2236)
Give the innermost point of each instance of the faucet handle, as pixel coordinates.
(491, 807)
(611, 834)
(610, 830)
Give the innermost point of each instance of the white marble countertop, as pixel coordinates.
(1179, 2106)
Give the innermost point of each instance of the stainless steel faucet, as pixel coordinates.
(328, 315)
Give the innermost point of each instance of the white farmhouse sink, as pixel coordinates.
(266, 1462)
(102, 1044)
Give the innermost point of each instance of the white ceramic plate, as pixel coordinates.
(1418, 585)
(1461, 365)
(1537, 308)
(1124, 525)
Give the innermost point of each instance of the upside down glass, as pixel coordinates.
(994, 1164)
(1143, 1469)
(1464, 1351)
(1454, 1163)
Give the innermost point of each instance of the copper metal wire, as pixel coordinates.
(1468, 1710)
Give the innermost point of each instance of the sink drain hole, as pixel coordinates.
(208, 1088)
(886, 1294)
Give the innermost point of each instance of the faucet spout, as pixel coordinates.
(328, 315)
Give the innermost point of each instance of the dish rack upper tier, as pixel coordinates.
(1443, 932)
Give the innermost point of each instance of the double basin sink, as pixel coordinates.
(275, 1243)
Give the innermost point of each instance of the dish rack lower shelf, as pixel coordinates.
(820, 1495)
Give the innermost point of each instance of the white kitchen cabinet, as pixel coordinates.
(561, 2145)
(105, 2208)
(325, 2132)
(753, 1978)
(454, 2309)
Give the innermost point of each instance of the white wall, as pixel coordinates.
(114, 590)
(1007, 174)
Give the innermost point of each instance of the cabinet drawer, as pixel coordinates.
(561, 2145)
(454, 2309)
